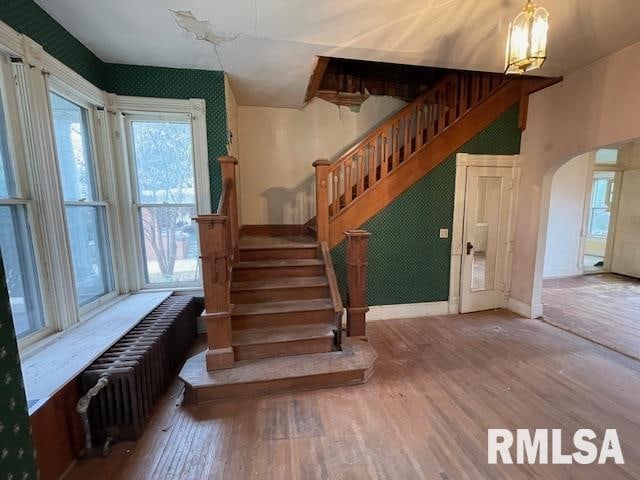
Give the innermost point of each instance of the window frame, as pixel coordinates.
(22, 177)
(100, 171)
(168, 110)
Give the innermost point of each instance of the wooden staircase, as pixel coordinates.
(405, 147)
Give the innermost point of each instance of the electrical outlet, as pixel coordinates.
(444, 233)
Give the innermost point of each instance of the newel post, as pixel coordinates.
(357, 247)
(322, 199)
(217, 297)
(228, 172)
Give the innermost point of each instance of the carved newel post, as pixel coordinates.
(322, 199)
(217, 299)
(357, 308)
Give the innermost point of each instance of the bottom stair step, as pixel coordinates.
(281, 341)
(353, 365)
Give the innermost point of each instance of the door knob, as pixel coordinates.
(469, 248)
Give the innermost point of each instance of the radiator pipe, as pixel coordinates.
(83, 405)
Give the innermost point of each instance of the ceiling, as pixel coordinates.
(268, 46)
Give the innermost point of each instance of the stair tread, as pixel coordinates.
(277, 283)
(289, 333)
(355, 355)
(266, 308)
(295, 262)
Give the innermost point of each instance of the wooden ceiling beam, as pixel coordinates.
(316, 77)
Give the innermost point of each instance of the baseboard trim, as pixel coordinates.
(280, 230)
(524, 309)
(407, 310)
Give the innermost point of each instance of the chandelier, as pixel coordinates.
(527, 41)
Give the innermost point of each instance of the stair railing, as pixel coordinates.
(340, 183)
(219, 245)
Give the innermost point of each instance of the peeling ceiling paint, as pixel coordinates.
(270, 54)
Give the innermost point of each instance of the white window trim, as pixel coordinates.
(33, 74)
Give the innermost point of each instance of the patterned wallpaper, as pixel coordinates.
(413, 266)
(16, 450)
(27, 17)
(180, 83)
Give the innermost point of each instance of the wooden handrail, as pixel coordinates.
(340, 183)
(334, 290)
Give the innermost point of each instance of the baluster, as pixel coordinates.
(431, 122)
(419, 125)
(361, 169)
(384, 159)
(475, 89)
(348, 189)
(372, 164)
(407, 136)
(454, 100)
(441, 109)
(485, 86)
(395, 158)
(463, 94)
(228, 172)
(336, 191)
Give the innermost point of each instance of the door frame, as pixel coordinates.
(463, 162)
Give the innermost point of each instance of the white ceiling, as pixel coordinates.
(272, 55)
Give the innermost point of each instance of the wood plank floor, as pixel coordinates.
(440, 383)
(604, 308)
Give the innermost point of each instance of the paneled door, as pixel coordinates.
(485, 237)
(626, 244)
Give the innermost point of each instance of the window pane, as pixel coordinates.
(19, 266)
(70, 126)
(170, 244)
(164, 162)
(90, 252)
(599, 224)
(7, 187)
(607, 156)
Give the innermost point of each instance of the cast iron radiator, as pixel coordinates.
(139, 367)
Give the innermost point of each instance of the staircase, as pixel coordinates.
(404, 148)
(273, 311)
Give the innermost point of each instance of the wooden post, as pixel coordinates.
(322, 199)
(217, 296)
(228, 170)
(356, 282)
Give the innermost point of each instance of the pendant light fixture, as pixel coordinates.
(527, 41)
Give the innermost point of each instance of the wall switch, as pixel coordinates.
(444, 233)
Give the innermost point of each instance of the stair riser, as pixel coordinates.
(277, 272)
(279, 294)
(282, 349)
(252, 389)
(278, 254)
(243, 322)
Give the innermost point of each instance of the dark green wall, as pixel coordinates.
(408, 262)
(15, 433)
(27, 17)
(180, 83)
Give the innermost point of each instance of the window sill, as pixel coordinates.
(51, 363)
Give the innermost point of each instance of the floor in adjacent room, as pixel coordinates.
(440, 383)
(604, 308)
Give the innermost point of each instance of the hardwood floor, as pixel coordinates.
(440, 383)
(604, 308)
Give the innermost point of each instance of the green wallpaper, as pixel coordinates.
(16, 448)
(180, 83)
(27, 17)
(408, 262)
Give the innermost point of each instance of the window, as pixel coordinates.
(601, 197)
(165, 198)
(15, 233)
(607, 156)
(86, 214)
